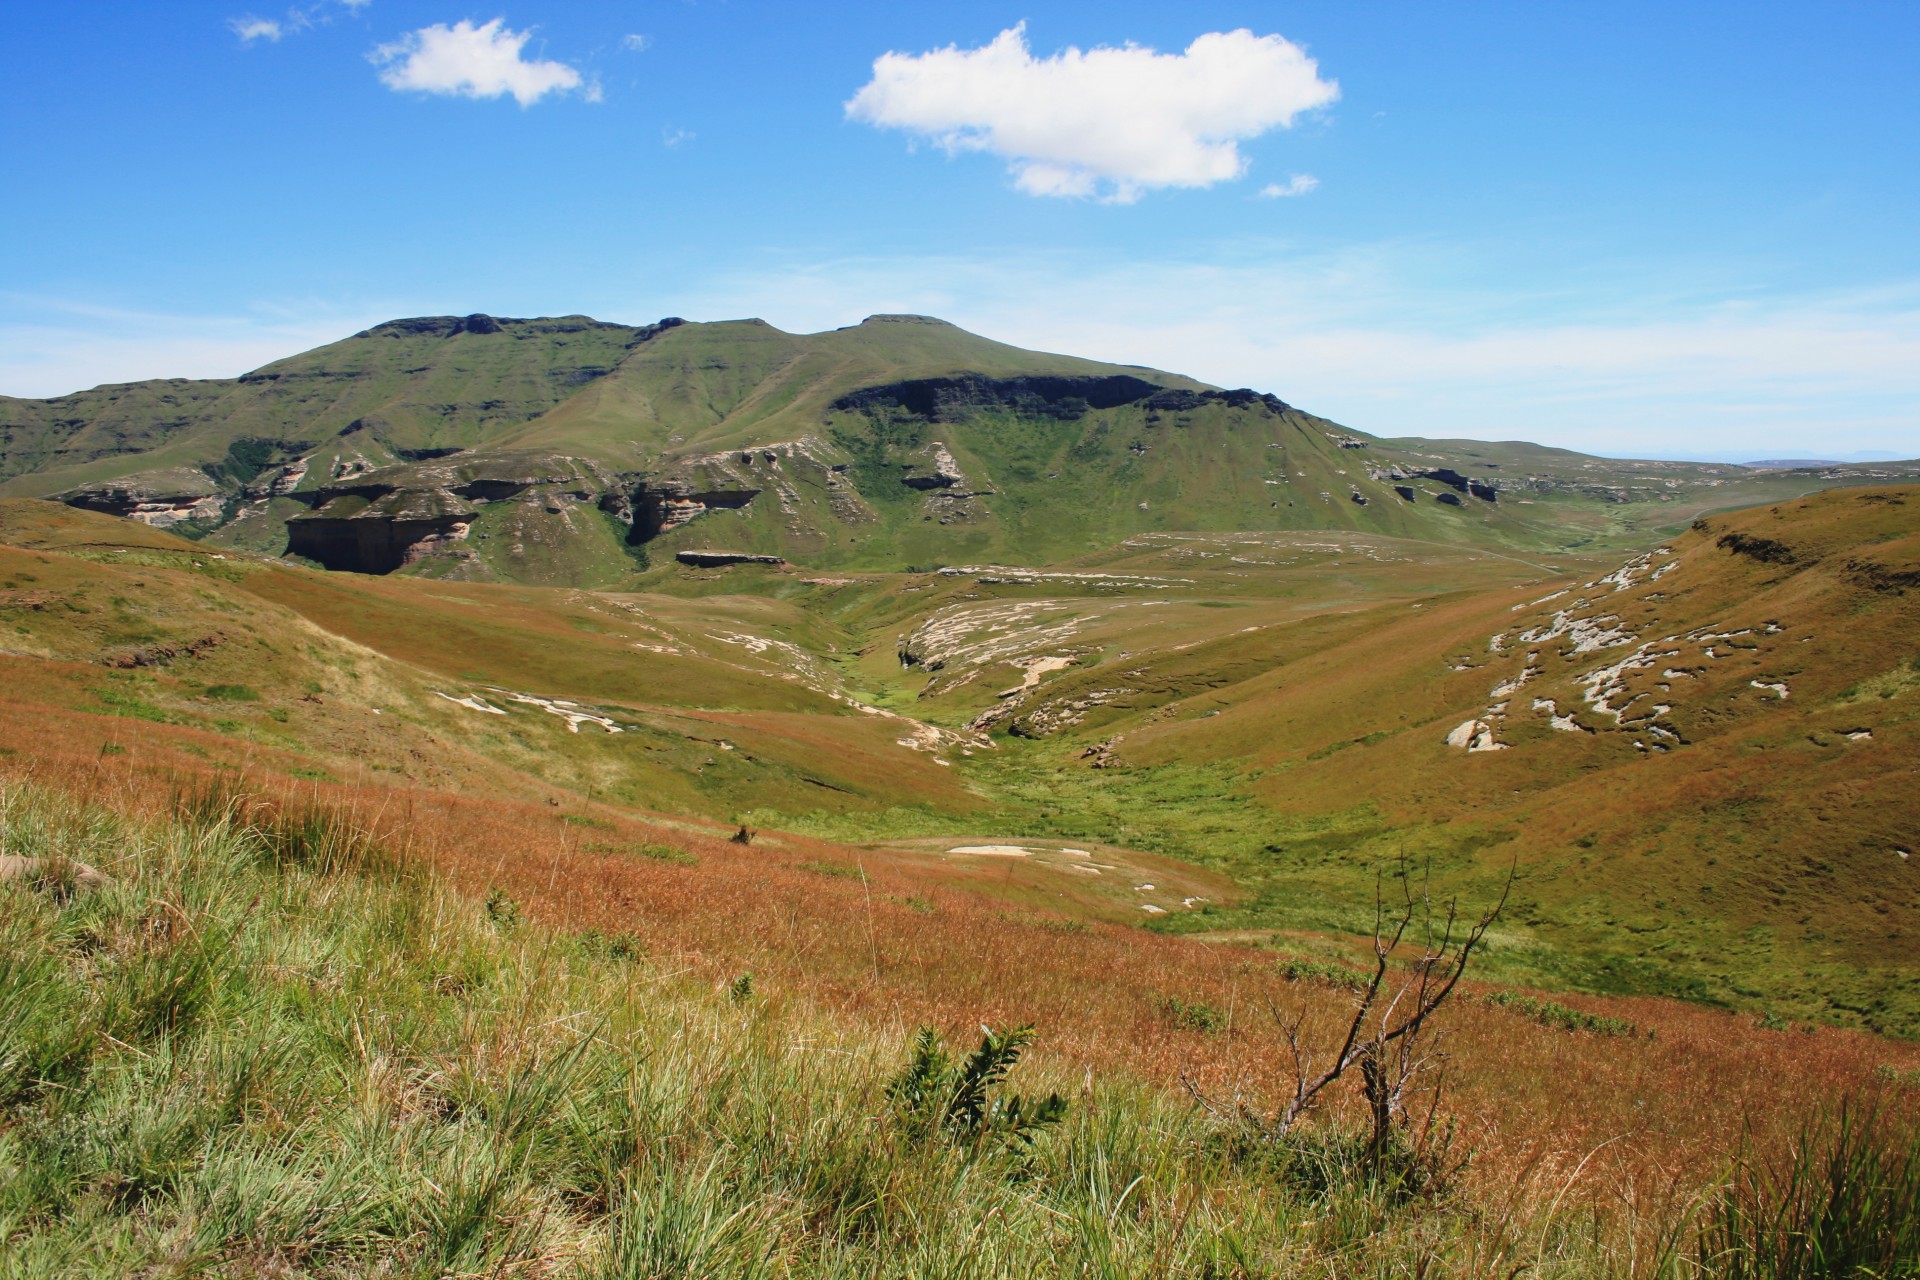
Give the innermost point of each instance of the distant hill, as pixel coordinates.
(570, 450)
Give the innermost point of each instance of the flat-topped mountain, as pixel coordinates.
(572, 450)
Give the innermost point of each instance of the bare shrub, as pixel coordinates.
(1389, 1041)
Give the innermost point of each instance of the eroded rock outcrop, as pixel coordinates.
(1462, 483)
(716, 559)
(960, 395)
(660, 505)
(938, 471)
(384, 519)
(161, 499)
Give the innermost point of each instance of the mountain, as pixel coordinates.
(576, 452)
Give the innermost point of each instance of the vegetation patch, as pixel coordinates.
(1551, 1013)
(838, 870)
(1191, 1015)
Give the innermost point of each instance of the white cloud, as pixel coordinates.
(1108, 122)
(251, 28)
(634, 43)
(676, 137)
(472, 62)
(1297, 185)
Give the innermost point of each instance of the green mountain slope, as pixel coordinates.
(587, 452)
(434, 383)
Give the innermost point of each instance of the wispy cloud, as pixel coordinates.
(251, 28)
(676, 137)
(634, 43)
(468, 61)
(298, 18)
(1105, 122)
(1297, 185)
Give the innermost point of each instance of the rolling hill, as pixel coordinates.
(1700, 759)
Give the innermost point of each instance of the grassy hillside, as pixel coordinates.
(735, 384)
(462, 687)
(1266, 707)
(1140, 801)
(424, 384)
(1254, 724)
(272, 1045)
(268, 1049)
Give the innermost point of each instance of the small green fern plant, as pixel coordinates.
(936, 1095)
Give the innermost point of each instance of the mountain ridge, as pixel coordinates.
(896, 441)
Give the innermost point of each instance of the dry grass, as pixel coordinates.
(1550, 1115)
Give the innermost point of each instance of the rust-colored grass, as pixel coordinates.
(1637, 1120)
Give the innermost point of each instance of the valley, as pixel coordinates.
(909, 678)
(1093, 602)
(1674, 750)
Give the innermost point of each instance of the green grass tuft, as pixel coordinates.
(1844, 1204)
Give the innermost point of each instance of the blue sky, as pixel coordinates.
(1657, 229)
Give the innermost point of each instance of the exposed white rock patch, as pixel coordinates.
(572, 712)
(1475, 735)
(1542, 600)
(761, 467)
(994, 850)
(472, 703)
(1778, 687)
(978, 635)
(924, 737)
(1519, 682)
(1564, 723)
(786, 653)
(1587, 634)
(1603, 684)
(165, 515)
(1053, 717)
(1860, 735)
(1035, 668)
